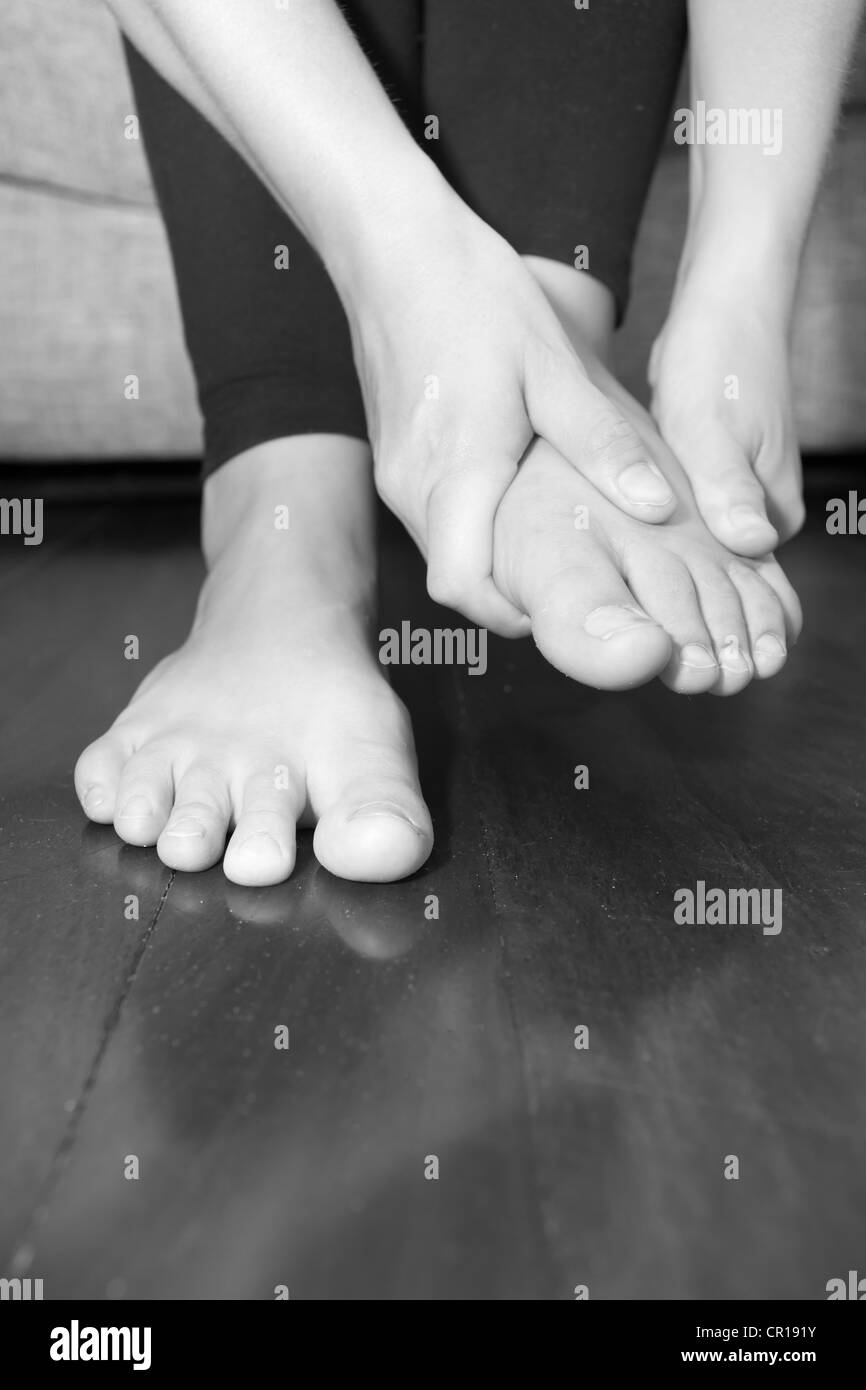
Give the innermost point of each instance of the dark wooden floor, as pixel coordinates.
(455, 1038)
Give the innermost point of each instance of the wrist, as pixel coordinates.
(731, 260)
(388, 230)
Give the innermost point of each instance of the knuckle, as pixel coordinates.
(612, 444)
(447, 587)
(737, 481)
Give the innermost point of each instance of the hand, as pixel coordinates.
(722, 402)
(462, 362)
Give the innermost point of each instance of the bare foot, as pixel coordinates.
(275, 712)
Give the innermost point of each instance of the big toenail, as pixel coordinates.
(697, 657)
(644, 483)
(746, 515)
(93, 797)
(186, 829)
(732, 657)
(261, 844)
(385, 808)
(610, 621)
(136, 808)
(770, 646)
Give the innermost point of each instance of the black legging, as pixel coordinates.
(549, 118)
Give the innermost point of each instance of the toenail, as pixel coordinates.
(610, 621)
(732, 656)
(385, 808)
(93, 797)
(770, 646)
(186, 829)
(261, 844)
(645, 483)
(136, 808)
(746, 515)
(698, 657)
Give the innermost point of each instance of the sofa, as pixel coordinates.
(89, 298)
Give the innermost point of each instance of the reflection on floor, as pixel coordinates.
(309, 1168)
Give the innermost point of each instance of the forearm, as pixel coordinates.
(749, 209)
(293, 92)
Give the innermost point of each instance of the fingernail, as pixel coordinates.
(186, 829)
(610, 621)
(769, 648)
(135, 808)
(745, 515)
(732, 656)
(644, 483)
(93, 797)
(385, 808)
(698, 657)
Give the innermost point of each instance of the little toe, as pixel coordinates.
(262, 849)
(97, 774)
(772, 573)
(765, 620)
(661, 583)
(195, 835)
(144, 797)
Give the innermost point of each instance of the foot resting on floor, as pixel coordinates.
(275, 712)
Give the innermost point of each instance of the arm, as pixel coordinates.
(719, 368)
(749, 210)
(345, 168)
(430, 291)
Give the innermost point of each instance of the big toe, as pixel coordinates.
(373, 824)
(379, 841)
(586, 622)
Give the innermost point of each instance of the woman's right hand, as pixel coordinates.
(462, 362)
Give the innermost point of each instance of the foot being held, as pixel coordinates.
(613, 601)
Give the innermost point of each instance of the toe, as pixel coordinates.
(664, 588)
(764, 617)
(144, 797)
(373, 825)
(587, 623)
(723, 616)
(585, 619)
(262, 849)
(195, 835)
(772, 573)
(97, 775)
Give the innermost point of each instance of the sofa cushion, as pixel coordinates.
(64, 100)
(89, 301)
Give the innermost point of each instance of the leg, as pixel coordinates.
(551, 119)
(275, 711)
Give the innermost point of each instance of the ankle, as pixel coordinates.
(314, 491)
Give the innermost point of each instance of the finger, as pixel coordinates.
(460, 516)
(573, 415)
(728, 495)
